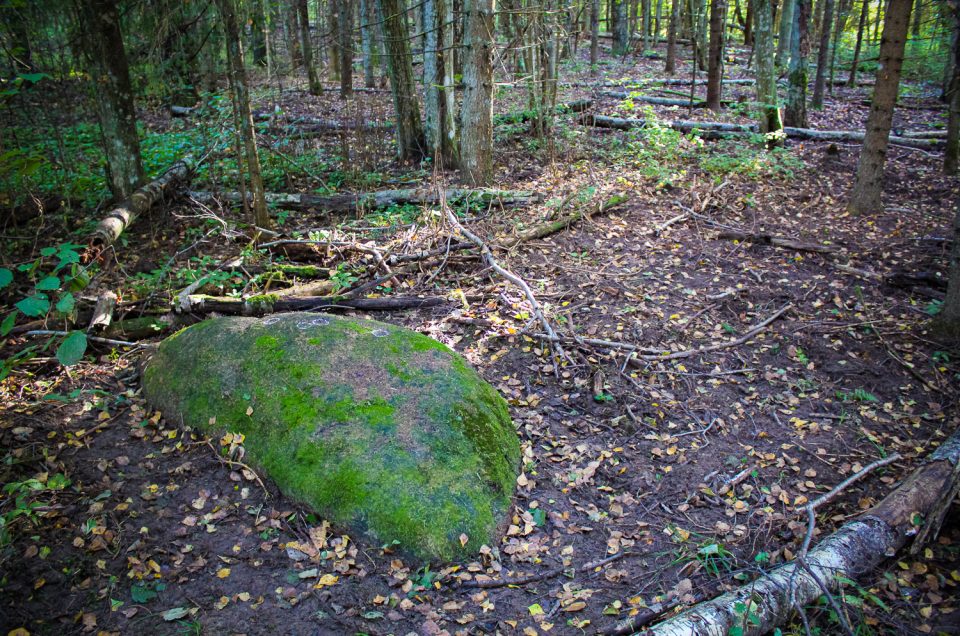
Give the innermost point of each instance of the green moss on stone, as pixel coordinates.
(376, 427)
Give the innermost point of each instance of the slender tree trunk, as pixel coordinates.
(951, 158)
(258, 37)
(702, 32)
(113, 95)
(656, 22)
(823, 55)
(865, 196)
(949, 317)
(396, 38)
(16, 22)
(748, 25)
(476, 115)
(366, 44)
(786, 32)
(843, 16)
(241, 103)
(864, 16)
(345, 42)
(917, 17)
(766, 73)
(670, 67)
(438, 120)
(718, 15)
(621, 28)
(879, 19)
(306, 46)
(795, 114)
(646, 24)
(594, 36)
(293, 35)
(953, 20)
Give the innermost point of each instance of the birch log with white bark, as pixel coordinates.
(852, 551)
(112, 226)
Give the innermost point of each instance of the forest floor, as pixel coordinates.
(670, 480)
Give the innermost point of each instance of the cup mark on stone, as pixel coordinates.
(319, 321)
(379, 333)
(271, 320)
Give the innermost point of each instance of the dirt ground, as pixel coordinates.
(663, 482)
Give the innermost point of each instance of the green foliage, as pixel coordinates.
(752, 160)
(22, 499)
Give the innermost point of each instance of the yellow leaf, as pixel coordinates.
(223, 573)
(19, 631)
(576, 606)
(463, 539)
(535, 609)
(249, 410)
(327, 579)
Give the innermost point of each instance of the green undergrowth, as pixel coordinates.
(378, 428)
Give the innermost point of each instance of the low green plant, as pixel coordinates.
(23, 499)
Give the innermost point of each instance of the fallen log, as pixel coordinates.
(675, 81)
(139, 328)
(576, 106)
(657, 101)
(852, 551)
(271, 303)
(349, 202)
(552, 227)
(734, 130)
(112, 226)
(776, 241)
(182, 111)
(103, 311)
(297, 125)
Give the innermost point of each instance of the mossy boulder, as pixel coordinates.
(376, 427)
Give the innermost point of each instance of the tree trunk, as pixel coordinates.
(366, 43)
(853, 551)
(949, 317)
(670, 67)
(748, 25)
(306, 46)
(843, 16)
(645, 25)
(656, 22)
(594, 36)
(476, 113)
(785, 32)
(701, 29)
(241, 105)
(918, 17)
(621, 28)
(396, 37)
(16, 22)
(438, 116)
(795, 113)
(293, 35)
(951, 157)
(718, 21)
(258, 34)
(823, 55)
(865, 196)
(345, 44)
(113, 95)
(864, 15)
(766, 73)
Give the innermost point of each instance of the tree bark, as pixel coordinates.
(621, 27)
(345, 44)
(113, 95)
(951, 157)
(112, 226)
(865, 196)
(293, 35)
(396, 37)
(438, 119)
(241, 105)
(670, 67)
(852, 551)
(306, 47)
(949, 317)
(594, 36)
(476, 114)
(823, 55)
(718, 21)
(769, 115)
(864, 14)
(366, 44)
(795, 113)
(785, 32)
